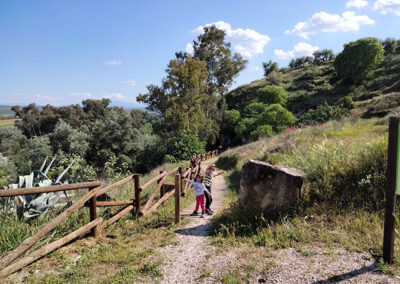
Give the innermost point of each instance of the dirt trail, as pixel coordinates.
(183, 261)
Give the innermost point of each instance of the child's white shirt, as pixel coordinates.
(198, 187)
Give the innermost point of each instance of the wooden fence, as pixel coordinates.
(8, 265)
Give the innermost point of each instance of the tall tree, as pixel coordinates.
(270, 67)
(222, 67)
(181, 98)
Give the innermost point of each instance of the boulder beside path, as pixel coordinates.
(265, 187)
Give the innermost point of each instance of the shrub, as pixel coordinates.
(322, 114)
(272, 95)
(346, 103)
(183, 146)
(227, 162)
(261, 132)
(358, 59)
(277, 117)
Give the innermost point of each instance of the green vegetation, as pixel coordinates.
(343, 204)
(121, 253)
(359, 59)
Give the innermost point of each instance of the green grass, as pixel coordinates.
(6, 123)
(118, 256)
(343, 204)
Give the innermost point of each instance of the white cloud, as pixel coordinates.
(387, 6)
(131, 83)
(189, 48)
(113, 62)
(328, 23)
(356, 3)
(300, 49)
(256, 68)
(83, 95)
(117, 96)
(247, 42)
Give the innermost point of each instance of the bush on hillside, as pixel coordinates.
(359, 59)
(262, 131)
(227, 162)
(346, 103)
(183, 146)
(272, 95)
(322, 114)
(260, 120)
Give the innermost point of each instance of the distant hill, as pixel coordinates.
(311, 85)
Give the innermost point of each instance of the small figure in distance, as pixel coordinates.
(199, 190)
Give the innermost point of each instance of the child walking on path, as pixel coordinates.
(199, 190)
(207, 182)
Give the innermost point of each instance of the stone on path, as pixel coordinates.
(265, 188)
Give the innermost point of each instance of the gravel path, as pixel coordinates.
(192, 259)
(191, 250)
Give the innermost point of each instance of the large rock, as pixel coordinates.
(265, 188)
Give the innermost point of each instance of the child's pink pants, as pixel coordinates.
(200, 202)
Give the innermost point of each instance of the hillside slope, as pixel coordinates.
(311, 85)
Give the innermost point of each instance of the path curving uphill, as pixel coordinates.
(184, 258)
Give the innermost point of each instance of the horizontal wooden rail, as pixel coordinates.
(114, 185)
(29, 242)
(48, 248)
(117, 216)
(115, 203)
(147, 184)
(45, 189)
(159, 202)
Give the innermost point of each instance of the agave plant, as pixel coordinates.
(30, 206)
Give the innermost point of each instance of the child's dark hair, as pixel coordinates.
(198, 176)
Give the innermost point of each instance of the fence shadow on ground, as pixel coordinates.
(199, 231)
(348, 275)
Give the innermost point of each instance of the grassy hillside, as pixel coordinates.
(311, 85)
(343, 205)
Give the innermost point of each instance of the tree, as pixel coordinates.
(182, 99)
(272, 95)
(184, 145)
(258, 114)
(222, 67)
(139, 118)
(359, 59)
(323, 55)
(30, 120)
(270, 67)
(95, 109)
(73, 115)
(300, 61)
(277, 117)
(390, 45)
(68, 140)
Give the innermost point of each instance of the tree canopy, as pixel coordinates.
(359, 59)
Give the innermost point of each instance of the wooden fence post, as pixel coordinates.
(162, 189)
(388, 235)
(180, 171)
(177, 198)
(93, 214)
(137, 195)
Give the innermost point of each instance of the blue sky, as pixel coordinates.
(61, 52)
